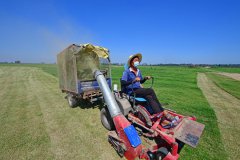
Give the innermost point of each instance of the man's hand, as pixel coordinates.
(147, 77)
(137, 79)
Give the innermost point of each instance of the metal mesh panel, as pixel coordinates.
(67, 69)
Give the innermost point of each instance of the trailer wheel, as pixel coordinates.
(106, 119)
(72, 101)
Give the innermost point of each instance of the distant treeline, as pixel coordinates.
(10, 62)
(19, 62)
(188, 65)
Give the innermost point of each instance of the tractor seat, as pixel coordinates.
(143, 102)
(137, 99)
(140, 99)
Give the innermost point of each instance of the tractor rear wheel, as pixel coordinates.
(143, 115)
(106, 119)
(72, 101)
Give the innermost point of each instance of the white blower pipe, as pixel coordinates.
(112, 105)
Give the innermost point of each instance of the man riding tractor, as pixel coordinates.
(131, 85)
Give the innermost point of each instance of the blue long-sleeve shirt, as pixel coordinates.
(129, 76)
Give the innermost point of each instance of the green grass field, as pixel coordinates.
(176, 88)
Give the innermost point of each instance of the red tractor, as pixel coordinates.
(167, 137)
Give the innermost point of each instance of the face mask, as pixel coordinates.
(136, 64)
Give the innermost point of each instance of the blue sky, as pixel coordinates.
(164, 31)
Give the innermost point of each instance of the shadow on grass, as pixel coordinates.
(86, 104)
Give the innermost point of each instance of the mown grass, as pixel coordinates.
(22, 130)
(36, 122)
(49, 68)
(228, 84)
(176, 87)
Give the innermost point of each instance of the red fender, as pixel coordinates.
(120, 123)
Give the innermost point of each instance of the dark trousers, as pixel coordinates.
(150, 96)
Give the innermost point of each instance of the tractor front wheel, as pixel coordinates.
(106, 119)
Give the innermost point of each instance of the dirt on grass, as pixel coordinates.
(36, 122)
(235, 76)
(227, 109)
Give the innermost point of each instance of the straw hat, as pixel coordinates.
(139, 55)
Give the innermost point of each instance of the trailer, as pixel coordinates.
(76, 65)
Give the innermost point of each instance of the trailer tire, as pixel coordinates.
(106, 119)
(72, 101)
